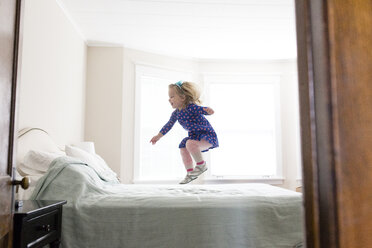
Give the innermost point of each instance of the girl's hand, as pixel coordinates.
(209, 110)
(156, 138)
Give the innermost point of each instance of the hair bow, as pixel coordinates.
(179, 84)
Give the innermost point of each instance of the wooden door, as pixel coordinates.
(335, 82)
(9, 42)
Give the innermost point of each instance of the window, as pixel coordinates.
(162, 161)
(246, 121)
(248, 125)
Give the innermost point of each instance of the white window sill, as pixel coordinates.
(273, 181)
(156, 181)
(244, 180)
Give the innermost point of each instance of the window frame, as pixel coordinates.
(244, 78)
(146, 70)
(207, 79)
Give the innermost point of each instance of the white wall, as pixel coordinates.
(52, 79)
(290, 115)
(103, 123)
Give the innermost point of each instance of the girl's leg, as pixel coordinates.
(194, 147)
(186, 158)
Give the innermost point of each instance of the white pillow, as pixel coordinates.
(36, 162)
(34, 165)
(87, 146)
(84, 157)
(94, 161)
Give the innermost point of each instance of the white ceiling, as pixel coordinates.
(203, 29)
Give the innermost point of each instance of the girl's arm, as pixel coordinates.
(169, 124)
(165, 129)
(201, 110)
(156, 138)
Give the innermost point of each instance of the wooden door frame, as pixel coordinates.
(7, 241)
(18, 38)
(13, 126)
(316, 124)
(334, 64)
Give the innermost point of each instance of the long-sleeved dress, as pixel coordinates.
(192, 120)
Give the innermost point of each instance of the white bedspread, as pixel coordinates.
(103, 214)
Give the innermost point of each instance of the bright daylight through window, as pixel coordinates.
(246, 120)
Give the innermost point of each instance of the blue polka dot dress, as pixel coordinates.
(192, 120)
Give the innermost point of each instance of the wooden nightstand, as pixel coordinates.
(38, 223)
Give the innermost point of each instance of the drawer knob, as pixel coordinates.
(45, 228)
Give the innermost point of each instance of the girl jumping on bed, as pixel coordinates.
(184, 97)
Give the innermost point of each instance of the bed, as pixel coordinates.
(102, 212)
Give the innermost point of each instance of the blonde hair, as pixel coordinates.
(189, 90)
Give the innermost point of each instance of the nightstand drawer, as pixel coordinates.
(41, 227)
(38, 223)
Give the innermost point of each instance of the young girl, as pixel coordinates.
(184, 97)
